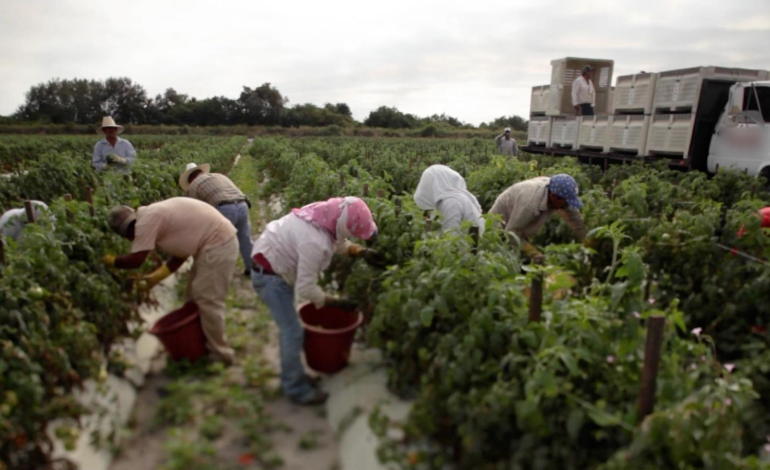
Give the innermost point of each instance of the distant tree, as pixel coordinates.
(339, 108)
(516, 123)
(311, 115)
(263, 105)
(391, 118)
(444, 119)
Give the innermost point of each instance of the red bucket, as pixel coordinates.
(181, 333)
(329, 334)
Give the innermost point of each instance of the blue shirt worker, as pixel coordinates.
(112, 151)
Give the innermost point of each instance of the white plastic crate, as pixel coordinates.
(679, 90)
(564, 131)
(670, 134)
(593, 132)
(634, 93)
(628, 134)
(540, 100)
(539, 131)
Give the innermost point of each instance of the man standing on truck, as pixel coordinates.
(184, 227)
(583, 93)
(112, 151)
(506, 144)
(527, 206)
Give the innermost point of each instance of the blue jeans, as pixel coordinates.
(279, 298)
(238, 215)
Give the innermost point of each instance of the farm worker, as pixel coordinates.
(583, 93)
(288, 258)
(764, 215)
(13, 221)
(220, 192)
(184, 227)
(506, 144)
(527, 205)
(443, 189)
(112, 151)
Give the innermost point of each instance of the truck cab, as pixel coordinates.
(741, 138)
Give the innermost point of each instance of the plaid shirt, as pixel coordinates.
(524, 208)
(214, 189)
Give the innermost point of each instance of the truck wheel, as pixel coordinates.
(765, 173)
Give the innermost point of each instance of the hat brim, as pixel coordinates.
(126, 223)
(101, 129)
(575, 203)
(184, 182)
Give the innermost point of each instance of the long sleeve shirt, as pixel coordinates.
(455, 210)
(122, 148)
(583, 92)
(299, 252)
(214, 189)
(507, 146)
(524, 208)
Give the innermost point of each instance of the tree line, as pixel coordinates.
(82, 101)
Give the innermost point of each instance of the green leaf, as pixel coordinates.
(616, 294)
(575, 423)
(426, 316)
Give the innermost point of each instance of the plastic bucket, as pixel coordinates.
(329, 334)
(181, 333)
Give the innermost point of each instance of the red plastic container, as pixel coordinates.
(181, 333)
(329, 334)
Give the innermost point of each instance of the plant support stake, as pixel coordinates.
(70, 214)
(398, 206)
(474, 231)
(366, 189)
(90, 200)
(536, 296)
(646, 404)
(30, 209)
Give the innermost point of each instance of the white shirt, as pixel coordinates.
(299, 252)
(13, 220)
(122, 148)
(444, 189)
(583, 92)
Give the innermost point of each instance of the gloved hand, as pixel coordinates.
(355, 250)
(112, 158)
(372, 256)
(109, 260)
(589, 242)
(343, 304)
(531, 250)
(154, 278)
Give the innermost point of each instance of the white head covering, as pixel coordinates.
(438, 183)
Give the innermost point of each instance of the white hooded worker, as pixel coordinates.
(443, 189)
(506, 144)
(526, 206)
(112, 151)
(13, 221)
(288, 259)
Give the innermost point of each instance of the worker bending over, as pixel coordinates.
(13, 221)
(527, 205)
(184, 227)
(288, 258)
(443, 189)
(220, 192)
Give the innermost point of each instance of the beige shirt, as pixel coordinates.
(583, 92)
(524, 208)
(181, 227)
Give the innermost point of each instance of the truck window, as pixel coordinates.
(750, 100)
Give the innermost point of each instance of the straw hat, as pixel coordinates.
(119, 218)
(184, 182)
(107, 121)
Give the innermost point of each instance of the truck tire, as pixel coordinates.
(765, 173)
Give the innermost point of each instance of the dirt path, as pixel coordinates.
(209, 417)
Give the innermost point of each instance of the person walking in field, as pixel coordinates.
(12, 221)
(526, 206)
(287, 261)
(112, 151)
(443, 189)
(220, 192)
(584, 93)
(184, 227)
(506, 144)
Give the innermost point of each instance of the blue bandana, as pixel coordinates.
(565, 187)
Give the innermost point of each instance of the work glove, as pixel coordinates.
(112, 158)
(370, 255)
(531, 250)
(109, 260)
(151, 280)
(342, 304)
(589, 242)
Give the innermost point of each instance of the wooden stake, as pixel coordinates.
(90, 200)
(536, 296)
(342, 180)
(30, 211)
(474, 231)
(366, 189)
(380, 193)
(70, 214)
(2, 252)
(652, 349)
(398, 206)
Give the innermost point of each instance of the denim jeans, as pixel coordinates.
(238, 215)
(279, 298)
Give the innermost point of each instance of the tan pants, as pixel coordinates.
(209, 281)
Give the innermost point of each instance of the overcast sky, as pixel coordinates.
(475, 60)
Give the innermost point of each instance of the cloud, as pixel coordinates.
(474, 60)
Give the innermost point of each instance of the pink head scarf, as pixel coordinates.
(341, 217)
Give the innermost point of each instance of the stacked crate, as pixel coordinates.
(539, 131)
(675, 106)
(631, 111)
